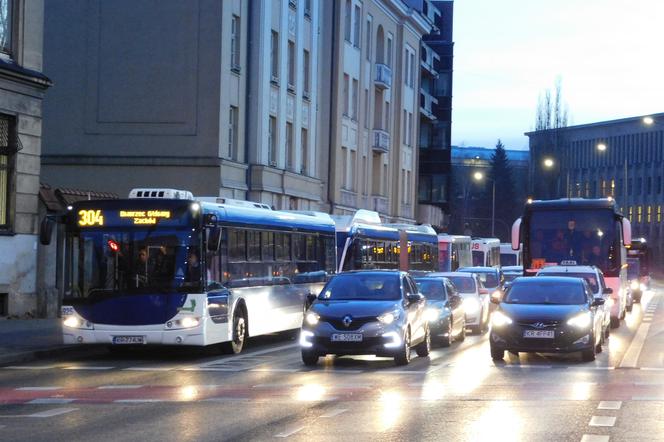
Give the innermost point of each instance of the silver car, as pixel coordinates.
(475, 304)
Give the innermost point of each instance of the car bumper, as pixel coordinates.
(377, 339)
(565, 340)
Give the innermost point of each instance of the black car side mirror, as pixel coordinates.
(310, 299)
(607, 291)
(597, 302)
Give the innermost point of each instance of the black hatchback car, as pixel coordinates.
(366, 312)
(547, 315)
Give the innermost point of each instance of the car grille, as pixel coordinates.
(539, 324)
(366, 342)
(338, 323)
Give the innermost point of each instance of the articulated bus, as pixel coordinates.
(363, 242)
(485, 252)
(164, 268)
(638, 270)
(577, 231)
(453, 252)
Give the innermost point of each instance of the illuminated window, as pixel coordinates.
(603, 187)
(631, 214)
(649, 215)
(659, 214)
(639, 214)
(613, 187)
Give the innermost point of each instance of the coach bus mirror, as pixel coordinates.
(46, 230)
(608, 291)
(626, 231)
(516, 237)
(213, 239)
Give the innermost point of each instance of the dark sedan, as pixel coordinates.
(366, 312)
(547, 315)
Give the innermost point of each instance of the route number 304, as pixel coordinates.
(90, 218)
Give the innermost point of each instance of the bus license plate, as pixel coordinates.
(127, 340)
(346, 337)
(540, 334)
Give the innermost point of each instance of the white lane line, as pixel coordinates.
(38, 388)
(87, 367)
(602, 421)
(652, 368)
(276, 370)
(289, 432)
(29, 367)
(594, 438)
(609, 405)
(631, 358)
(334, 413)
(229, 370)
(46, 413)
(136, 401)
(51, 400)
(149, 369)
(118, 387)
(647, 398)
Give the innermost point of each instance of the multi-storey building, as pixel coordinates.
(621, 158)
(22, 87)
(219, 98)
(374, 110)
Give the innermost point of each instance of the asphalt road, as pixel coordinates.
(457, 394)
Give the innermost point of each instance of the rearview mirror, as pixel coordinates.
(46, 230)
(607, 291)
(597, 302)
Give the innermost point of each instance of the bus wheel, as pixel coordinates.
(239, 332)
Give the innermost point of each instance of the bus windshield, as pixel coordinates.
(120, 261)
(633, 271)
(585, 237)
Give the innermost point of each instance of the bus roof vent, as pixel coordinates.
(173, 194)
(242, 203)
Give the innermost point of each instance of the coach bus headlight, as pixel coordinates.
(189, 322)
(76, 322)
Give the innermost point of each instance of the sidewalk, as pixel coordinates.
(23, 340)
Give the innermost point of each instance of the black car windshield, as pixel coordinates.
(432, 289)
(633, 270)
(464, 284)
(590, 278)
(362, 287)
(558, 292)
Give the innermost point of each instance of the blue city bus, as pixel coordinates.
(577, 231)
(364, 243)
(150, 270)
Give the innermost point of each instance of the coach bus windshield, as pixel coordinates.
(121, 261)
(584, 237)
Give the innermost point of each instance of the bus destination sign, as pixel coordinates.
(145, 216)
(94, 217)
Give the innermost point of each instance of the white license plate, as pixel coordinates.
(125, 340)
(346, 337)
(540, 334)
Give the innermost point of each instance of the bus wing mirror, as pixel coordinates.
(213, 239)
(46, 230)
(626, 231)
(516, 234)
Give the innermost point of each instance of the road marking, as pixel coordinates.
(647, 398)
(290, 432)
(47, 413)
(51, 400)
(594, 438)
(136, 401)
(609, 405)
(602, 421)
(652, 368)
(631, 358)
(149, 369)
(118, 387)
(30, 367)
(38, 388)
(87, 367)
(229, 370)
(276, 370)
(334, 413)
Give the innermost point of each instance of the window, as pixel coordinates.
(272, 142)
(291, 65)
(366, 108)
(289, 146)
(659, 185)
(388, 58)
(347, 21)
(235, 43)
(274, 55)
(267, 249)
(404, 127)
(346, 91)
(253, 245)
(412, 69)
(368, 38)
(232, 133)
(8, 147)
(236, 245)
(356, 27)
(356, 87)
(649, 185)
(282, 247)
(306, 75)
(6, 26)
(304, 138)
(307, 8)
(352, 168)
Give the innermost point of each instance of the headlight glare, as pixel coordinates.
(582, 320)
(312, 318)
(305, 337)
(432, 314)
(189, 322)
(500, 319)
(72, 322)
(389, 317)
(635, 285)
(471, 305)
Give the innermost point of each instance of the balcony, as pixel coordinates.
(429, 60)
(383, 79)
(381, 141)
(427, 103)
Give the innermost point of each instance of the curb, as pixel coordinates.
(43, 353)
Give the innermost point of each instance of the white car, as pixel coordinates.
(595, 279)
(475, 303)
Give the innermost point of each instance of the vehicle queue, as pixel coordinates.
(163, 267)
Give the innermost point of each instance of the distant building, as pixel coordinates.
(22, 87)
(621, 158)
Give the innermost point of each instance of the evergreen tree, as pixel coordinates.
(507, 205)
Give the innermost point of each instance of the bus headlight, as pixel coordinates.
(189, 322)
(582, 320)
(499, 319)
(471, 306)
(311, 318)
(76, 322)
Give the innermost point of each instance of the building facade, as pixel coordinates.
(22, 88)
(374, 109)
(621, 158)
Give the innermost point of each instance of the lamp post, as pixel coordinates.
(479, 176)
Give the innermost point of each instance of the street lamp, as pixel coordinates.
(601, 147)
(548, 163)
(648, 121)
(479, 176)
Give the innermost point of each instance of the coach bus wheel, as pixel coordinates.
(239, 332)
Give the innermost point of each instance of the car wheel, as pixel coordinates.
(424, 348)
(403, 356)
(615, 322)
(589, 355)
(447, 340)
(309, 358)
(497, 354)
(239, 332)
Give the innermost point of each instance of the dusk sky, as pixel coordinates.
(608, 53)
